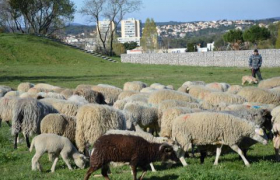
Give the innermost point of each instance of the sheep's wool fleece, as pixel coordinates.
(269, 83)
(254, 94)
(59, 124)
(168, 117)
(161, 95)
(191, 83)
(94, 120)
(200, 92)
(126, 94)
(216, 98)
(28, 114)
(7, 105)
(134, 86)
(234, 89)
(62, 106)
(275, 111)
(110, 93)
(209, 128)
(24, 87)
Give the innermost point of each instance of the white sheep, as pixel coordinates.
(210, 128)
(55, 145)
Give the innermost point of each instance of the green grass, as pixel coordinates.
(27, 58)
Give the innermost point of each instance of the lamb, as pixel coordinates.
(140, 133)
(249, 79)
(93, 121)
(24, 87)
(124, 148)
(126, 94)
(66, 93)
(210, 128)
(254, 94)
(110, 93)
(134, 86)
(55, 145)
(161, 95)
(7, 105)
(234, 89)
(218, 86)
(145, 117)
(62, 106)
(27, 117)
(270, 83)
(169, 115)
(59, 124)
(78, 100)
(91, 96)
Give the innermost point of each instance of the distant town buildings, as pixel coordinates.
(130, 31)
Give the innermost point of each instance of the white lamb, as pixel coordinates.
(55, 145)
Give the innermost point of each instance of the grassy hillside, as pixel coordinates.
(28, 58)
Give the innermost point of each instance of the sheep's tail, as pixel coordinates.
(32, 144)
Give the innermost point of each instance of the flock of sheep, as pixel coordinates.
(140, 124)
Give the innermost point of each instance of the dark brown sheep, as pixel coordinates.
(124, 148)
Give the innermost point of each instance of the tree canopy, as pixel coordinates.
(256, 33)
(149, 40)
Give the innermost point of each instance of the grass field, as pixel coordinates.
(26, 58)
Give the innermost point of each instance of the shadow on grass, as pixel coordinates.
(53, 78)
(164, 177)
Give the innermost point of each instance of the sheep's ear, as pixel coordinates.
(259, 132)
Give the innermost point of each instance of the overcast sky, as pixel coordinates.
(199, 10)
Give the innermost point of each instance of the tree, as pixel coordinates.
(277, 45)
(234, 37)
(191, 47)
(130, 45)
(112, 10)
(149, 40)
(255, 34)
(119, 49)
(37, 16)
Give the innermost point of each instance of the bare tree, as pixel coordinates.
(112, 10)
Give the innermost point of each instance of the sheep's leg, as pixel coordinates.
(54, 164)
(27, 140)
(134, 171)
(90, 171)
(152, 167)
(276, 144)
(202, 156)
(9, 124)
(143, 173)
(218, 153)
(66, 160)
(183, 161)
(239, 151)
(15, 145)
(104, 171)
(35, 162)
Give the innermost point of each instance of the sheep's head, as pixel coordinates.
(260, 136)
(80, 160)
(167, 154)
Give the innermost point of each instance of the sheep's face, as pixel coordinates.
(167, 153)
(260, 136)
(80, 161)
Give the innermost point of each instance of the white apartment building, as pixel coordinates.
(105, 27)
(131, 31)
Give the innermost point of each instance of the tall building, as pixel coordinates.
(105, 26)
(130, 30)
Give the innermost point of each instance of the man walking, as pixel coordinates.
(255, 63)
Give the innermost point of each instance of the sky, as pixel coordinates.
(198, 10)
